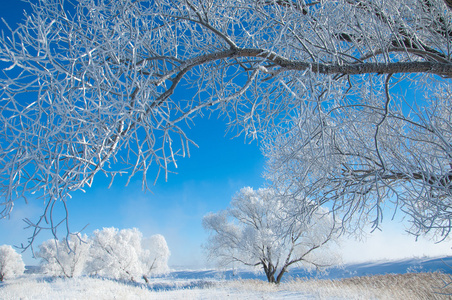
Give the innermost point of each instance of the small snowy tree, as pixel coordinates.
(114, 253)
(265, 230)
(124, 254)
(154, 256)
(66, 258)
(11, 264)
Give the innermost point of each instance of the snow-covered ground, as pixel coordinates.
(209, 284)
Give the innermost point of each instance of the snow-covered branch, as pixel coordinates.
(94, 87)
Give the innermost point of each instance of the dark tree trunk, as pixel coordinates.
(269, 272)
(271, 277)
(280, 275)
(145, 278)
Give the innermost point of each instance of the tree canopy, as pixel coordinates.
(124, 254)
(88, 87)
(11, 264)
(66, 257)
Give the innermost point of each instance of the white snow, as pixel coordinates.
(212, 284)
(97, 289)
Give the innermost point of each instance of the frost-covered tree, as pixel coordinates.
(154, 256)
(124, 254)
(90, 87)
(65, 258)
(11, 264)
(115, 253)
(265, 230)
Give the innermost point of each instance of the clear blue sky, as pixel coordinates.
(205, 182)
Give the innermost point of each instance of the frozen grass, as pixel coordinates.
(390, 286)
(406, 286)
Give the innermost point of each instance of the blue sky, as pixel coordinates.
(205, 182)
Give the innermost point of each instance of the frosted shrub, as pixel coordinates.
(154, 255)
(11, 264)
(124, 254)
(66, 258)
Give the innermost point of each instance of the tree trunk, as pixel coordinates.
(271, 277)
(146, 279)
(280, 275)
(269, 272)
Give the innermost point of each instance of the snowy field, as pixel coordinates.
(407, 286)
(220, 285)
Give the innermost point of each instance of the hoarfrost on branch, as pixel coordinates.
(92, 87)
